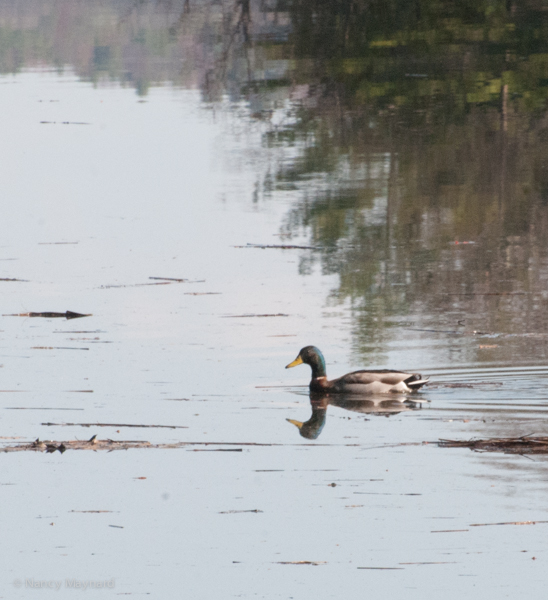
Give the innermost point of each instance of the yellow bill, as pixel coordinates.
(297, 361)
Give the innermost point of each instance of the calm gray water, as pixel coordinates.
(135, 148)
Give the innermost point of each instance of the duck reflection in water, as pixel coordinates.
(375, 404)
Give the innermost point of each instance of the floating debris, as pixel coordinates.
(278, 246)
(63, 123)
(521, 445)
(169, 279)
(314, 563)
(287, 385)
(112, 425)
(284, 335)
(108, 287)
(449, 530)
(55, 348)
(232, 512)
(509, 523)
(216, 450)
(51, 315)
(92, 444)
(451, 331)
(93, 511)
(72, 332)
(484, 294)
(269, 470)
(53, 447)
(11, 279)
(250, 315)
(438, 562)
(95, 444)
(161, 281)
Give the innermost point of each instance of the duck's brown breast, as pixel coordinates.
(319, 384)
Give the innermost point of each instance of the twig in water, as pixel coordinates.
(111, 425)
(169, 279)
(508, 523)
(10, 279)
(246, 316)
(278, 246)
(51, 315)
(520, 445)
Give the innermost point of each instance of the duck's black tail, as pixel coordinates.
(415, 382)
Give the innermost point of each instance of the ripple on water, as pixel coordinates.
(506, 393)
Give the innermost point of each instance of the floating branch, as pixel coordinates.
(72, 332)
(508, 523)
(449, 530)
(437, 562)
(484, 293)
(169, 279)
(451, 331)
(63, 123)
(232, 512)
(91, 444)
(161, 281)
(108, 287)
(95, 444)
(51, 315)
(247, 316)
(288, 385)
(55, 348)
(10, 279)
(93, 511)
(111, 425)
(314, 563)
(278, 246)
(520, 445)
(217, 450)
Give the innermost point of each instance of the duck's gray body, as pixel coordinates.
(369, 382)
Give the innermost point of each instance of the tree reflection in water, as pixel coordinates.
(410, 138)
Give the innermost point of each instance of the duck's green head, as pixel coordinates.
(310, 355)
(310, 429)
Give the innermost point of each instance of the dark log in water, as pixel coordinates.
(51, 315)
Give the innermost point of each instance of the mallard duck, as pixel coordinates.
(358, 382)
